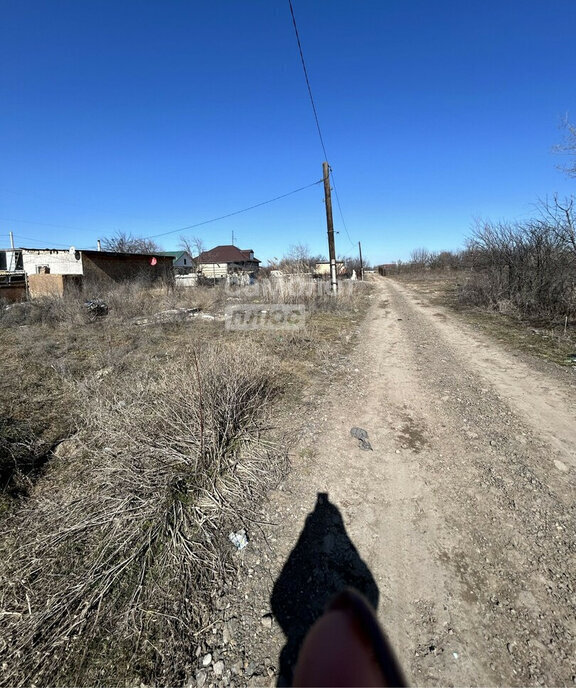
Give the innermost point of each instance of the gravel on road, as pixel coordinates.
(460, 524)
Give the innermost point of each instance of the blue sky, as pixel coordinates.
(147, 116)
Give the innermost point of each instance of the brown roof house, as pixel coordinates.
(227, 260)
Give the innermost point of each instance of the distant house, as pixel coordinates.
(46, 268)
(323, 269)
(181, 260)
(387, 268)
(226, 260)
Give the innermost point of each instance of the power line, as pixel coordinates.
(173, 231)
(236, 212)
(340, 208)
(316, 118)
(307, 80)
(39, 241)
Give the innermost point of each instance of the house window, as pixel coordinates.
(42, 269)
(184, 261)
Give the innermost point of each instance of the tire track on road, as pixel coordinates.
(460, 513)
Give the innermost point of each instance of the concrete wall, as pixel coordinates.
(120, 267)
(186, 280)
(59, 262)
(96, 266)
(323, 269)
(53, 285)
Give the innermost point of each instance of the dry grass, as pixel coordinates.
(311, 292)
(547, 339)
(107, 570)
(132, 300)
(22, 455)
(109, 561)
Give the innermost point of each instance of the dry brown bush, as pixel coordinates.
(48, 310)
(107, 568)
(106, 572)
(315, 294)
(135, 300)
(125, 302)
(526, 268)
(138, 299)
(22, 454)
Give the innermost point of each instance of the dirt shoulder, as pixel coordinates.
(459, 523)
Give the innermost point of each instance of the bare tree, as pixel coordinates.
(568, 147)
(445, 260)
(193, 245)
(525, 266)
(125, 242)
(299, 259)
(421, 258)
(559, 214)
(353, 263)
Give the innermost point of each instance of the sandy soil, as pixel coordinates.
(459, 524)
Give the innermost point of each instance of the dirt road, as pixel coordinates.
(459, 523)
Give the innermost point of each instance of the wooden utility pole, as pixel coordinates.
(361, 263)
(330, 225)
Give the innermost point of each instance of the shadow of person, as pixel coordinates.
(323, 563)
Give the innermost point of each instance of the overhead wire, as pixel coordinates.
(340, 208)
(307, 79)
(316, 118)
(256, 205)
(236, 212)
(39, 241)
(172, 231)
